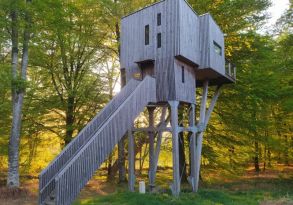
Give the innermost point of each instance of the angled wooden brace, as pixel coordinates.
(203, 121)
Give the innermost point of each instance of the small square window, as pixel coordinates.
(159, 40)
(183, 74)
(159, 17)
(217, 48)
(147, 35)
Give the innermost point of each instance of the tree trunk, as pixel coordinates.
(286, 153)
(182, 160)
(69, 120)
(265, 159)
(256, 156)
(18, 91)
(269, 158)
(121, 160)
(121, 143)
(110, 175)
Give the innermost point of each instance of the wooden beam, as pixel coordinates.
(131, 161)
(192, 147)
(163, 122)
(212, 105)
(151, 148)
(165, 129)
(199, 137)
(175, 187)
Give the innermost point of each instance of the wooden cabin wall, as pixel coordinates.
(184, 36)
(210, 32)
(189, 34)
(165, 55)
(217, 61)
(204, 41)
(185, 91)
(133, 48)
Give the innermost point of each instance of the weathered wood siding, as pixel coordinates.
(188, 36)
(210, 33)
(185, 91)
(133, 48)
(185, 37)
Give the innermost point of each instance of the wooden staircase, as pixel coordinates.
(61, 182)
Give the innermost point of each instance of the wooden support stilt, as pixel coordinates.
(163, 123)
(212, 105)
(151, 148)
(199, 137)
(192, 148)
(131, 161)
(175, 187)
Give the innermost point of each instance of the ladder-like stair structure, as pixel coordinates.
(61, 182)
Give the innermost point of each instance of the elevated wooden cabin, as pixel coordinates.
(170, 42)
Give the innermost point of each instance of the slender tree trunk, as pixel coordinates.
(269, 158)
(256, 156)
(265, 159)
(18, 91)
(121, 160)
(121, 143)
(182, 160)
(286, 153)
(69, 120)
(110, 175)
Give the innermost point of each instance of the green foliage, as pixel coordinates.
(74, 68)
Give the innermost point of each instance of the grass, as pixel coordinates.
(203, 197)
(269, 188)
(273, 187)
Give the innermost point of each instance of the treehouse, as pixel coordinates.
(170, 42)
(167, 50)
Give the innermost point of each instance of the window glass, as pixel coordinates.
(159, 40)
(217, 48)
(159, 21)
(183, 74)
(147, 35)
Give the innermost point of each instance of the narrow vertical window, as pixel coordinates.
(218, 48)
(159, 22)
(147, 35)
(159, 40)
(183, 76)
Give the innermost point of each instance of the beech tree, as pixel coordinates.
(19, 76)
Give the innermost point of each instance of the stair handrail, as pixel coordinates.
(80, 169)
(47, 183)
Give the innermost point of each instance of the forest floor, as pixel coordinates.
(272, 187)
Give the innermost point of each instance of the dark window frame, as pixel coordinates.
(182, 74)
(159, 19)
(147, 35)
(217, 48)
(159, 40)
